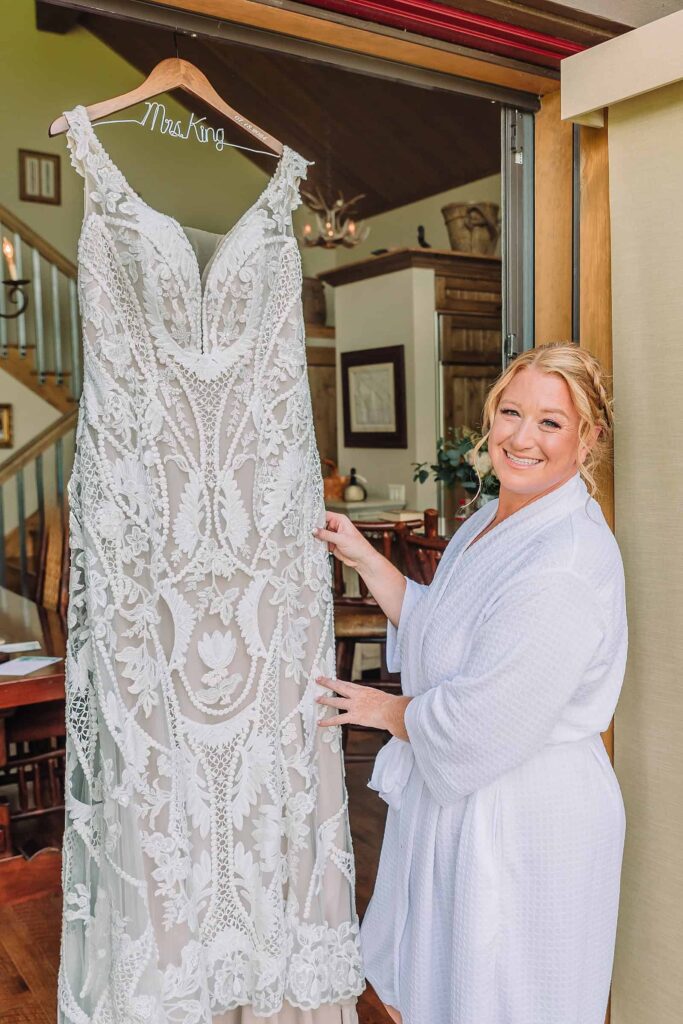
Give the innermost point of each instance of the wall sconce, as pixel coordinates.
(14, 284)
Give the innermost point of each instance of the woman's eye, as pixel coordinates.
(514, 412)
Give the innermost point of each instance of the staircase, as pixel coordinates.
(42, 349)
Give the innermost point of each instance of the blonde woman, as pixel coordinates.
(497, 890)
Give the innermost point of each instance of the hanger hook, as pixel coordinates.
(175, 42)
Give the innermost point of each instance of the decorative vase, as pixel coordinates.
(473, 227)
(354, 490)
(334, 483)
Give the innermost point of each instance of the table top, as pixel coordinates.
(367, 509)
(22, 619)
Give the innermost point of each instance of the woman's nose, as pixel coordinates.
(523, 434)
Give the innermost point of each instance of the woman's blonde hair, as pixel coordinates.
(586, 381)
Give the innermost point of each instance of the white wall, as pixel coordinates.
(31, 414)
(394, 309)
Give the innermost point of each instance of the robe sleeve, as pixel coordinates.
(396, 634)
(527, 659)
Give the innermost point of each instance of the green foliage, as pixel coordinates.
(453, 464)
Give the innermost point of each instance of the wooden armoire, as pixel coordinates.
(468, 308)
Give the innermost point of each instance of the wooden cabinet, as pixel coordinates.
(464, 392)
(468, 305)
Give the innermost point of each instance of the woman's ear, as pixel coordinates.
(587, 445)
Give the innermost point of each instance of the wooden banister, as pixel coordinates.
(38, 445)
(28, 235)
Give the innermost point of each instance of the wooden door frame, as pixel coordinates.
(572, 170)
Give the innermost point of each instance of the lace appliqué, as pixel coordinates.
(207, 851)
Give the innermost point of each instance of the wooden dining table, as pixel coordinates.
(22, 620)
(30, 705)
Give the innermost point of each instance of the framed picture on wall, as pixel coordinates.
(5, 426)
(374, 398)
(39, 177)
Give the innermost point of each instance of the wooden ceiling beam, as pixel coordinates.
(391, 142)
(365, 40)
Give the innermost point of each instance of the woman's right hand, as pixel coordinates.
(385, 582)
(344, 541)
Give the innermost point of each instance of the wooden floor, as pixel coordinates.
(29, 932)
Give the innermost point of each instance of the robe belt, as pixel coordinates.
(392, 769)
(395, 761)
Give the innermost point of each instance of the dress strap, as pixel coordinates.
(78, 139)
(104, 182)
(283, 195)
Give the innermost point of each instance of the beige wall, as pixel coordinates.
(624, 67)
(646, 155)
(395, 309)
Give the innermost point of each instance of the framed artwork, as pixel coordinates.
(374, 398)
(39, 177)
(5, 426)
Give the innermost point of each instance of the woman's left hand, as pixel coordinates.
(364, 705)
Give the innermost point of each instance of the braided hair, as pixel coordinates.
(587, 383)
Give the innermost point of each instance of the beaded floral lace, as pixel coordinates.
(207, 853)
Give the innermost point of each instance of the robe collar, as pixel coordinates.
(552, 506)
(558, 503)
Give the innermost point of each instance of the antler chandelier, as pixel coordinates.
(333, 225)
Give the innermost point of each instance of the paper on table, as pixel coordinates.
(16, 648)
(22, 666)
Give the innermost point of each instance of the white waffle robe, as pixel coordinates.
(497, 891)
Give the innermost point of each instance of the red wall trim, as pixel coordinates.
(428, 18)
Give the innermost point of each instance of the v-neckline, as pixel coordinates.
(201, 276)
(558, 494)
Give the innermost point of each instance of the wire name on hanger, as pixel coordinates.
(156, 118)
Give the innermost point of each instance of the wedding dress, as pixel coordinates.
(208, 869)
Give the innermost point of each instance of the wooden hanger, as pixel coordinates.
(173, 73)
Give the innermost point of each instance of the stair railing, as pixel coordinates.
(50, 326)
(44, 462)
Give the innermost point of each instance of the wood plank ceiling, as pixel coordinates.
(392, 142)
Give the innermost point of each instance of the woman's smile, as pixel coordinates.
(519, 461)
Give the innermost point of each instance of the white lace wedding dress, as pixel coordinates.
(208, 871)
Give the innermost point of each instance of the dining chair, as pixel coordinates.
(360, 620)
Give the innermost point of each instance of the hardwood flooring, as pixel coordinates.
(29, 931)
